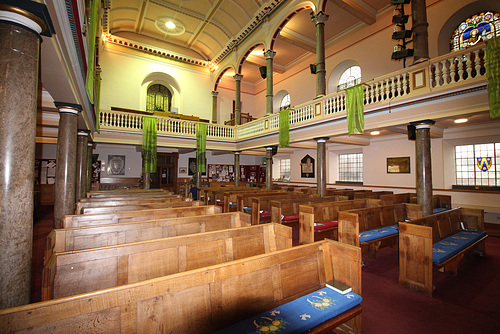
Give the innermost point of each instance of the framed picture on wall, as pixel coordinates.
(398, 165)
(116, 165)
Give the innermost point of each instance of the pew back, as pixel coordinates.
(71, 239)
(370, 194)
(138, 215)
(263, 203)
(175, 203)
(290, 206)
(233, 196)
(71, 273)
(196, 301)
(96, 203)
(126, 192)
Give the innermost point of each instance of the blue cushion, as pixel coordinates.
(299, 315)
(452, 245)
(378, 233)
(232, 205)
(247, 208)
(439, 210)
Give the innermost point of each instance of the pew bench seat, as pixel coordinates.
(451, 246)
(379, 233)
(302, 314)
(326, 225)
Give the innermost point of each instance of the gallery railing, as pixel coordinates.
(438, 74)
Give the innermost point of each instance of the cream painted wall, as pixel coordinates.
(123, 75)
(133, 160)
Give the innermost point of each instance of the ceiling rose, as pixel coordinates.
(161, 24)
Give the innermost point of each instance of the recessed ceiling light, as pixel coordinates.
(375, 133)
(170, 25)
(461, 120)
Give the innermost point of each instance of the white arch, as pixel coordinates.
(333, 79)
(163, 79)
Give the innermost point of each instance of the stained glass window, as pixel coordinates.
(478, 165)
(480, 27)
(350, 77)
(159, 98)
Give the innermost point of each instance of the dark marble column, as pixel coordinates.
(420, 32)
(65, 189)
(146, 183)
(319, 19)
(81, 164)
(321, 165)
(424, 165)
(214, 106)
(269, 168)
(237, 99)
(269, 77)
(20, 29)
(90, 150)
(237, 169)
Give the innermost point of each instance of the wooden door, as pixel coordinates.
(166, 172)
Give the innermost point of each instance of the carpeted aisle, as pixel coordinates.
(468, 303)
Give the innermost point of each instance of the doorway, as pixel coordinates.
(166, 172)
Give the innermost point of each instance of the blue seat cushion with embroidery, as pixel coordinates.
(247, 208)
(378, 233)
(452, 245)
(299, 315)
(232, 205)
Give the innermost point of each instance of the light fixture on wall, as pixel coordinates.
(375, 133)
(461, 120)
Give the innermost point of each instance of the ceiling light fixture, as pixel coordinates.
(170, 25)
(375, 133)
(461, 120)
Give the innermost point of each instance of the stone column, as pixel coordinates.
(424, 165)
(214, 106)
(269, 77)
(237, 169)
(81, 164)
(90, 149)
(65, 188)
(321, 166)
(20, 28)
(319, 19)
(269, 168)
(146, 180)
(237, 99)
(420, 33)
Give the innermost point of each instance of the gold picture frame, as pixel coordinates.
(418, 79)
(398, 165)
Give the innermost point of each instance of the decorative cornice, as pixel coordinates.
(156, 51)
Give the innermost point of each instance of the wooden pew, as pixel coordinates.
(97, 203)
(419, 245)
(261, 205)
(175, 203)
(125, 192)
(318, 221)
(389, 199)
(439, 202)
(236, 198)
(71, 239)
(209, 194)
(71, 273)
(137, 215)
(370, 194)
(353, 222)
(201, 300)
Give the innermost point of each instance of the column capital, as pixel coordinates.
(423, 124)
(71, 108)
(269, 54)
(215, 93)
(321, 139)
(237, 152)
(83, 133)
(30, 14)
(318, 18)
(238, 77)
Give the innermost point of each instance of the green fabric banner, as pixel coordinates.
(92, 30)
(284, 134)
(493, 74)
(354, 110)
(149, 144)
(201, 145)
(98, 101)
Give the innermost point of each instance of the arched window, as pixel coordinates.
(480, 27)
(159, 98)
(350, 77)
(285, 102)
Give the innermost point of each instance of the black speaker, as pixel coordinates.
(274, 150)
(263, 71)
(411, 132)
(313, 68)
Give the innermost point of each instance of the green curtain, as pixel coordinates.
(493, 73)
(354, 110)
(149, 144)
(201, 145)
(92, 30)
(284, 134)
(97, 101)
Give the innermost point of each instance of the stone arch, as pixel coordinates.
(163, 79)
